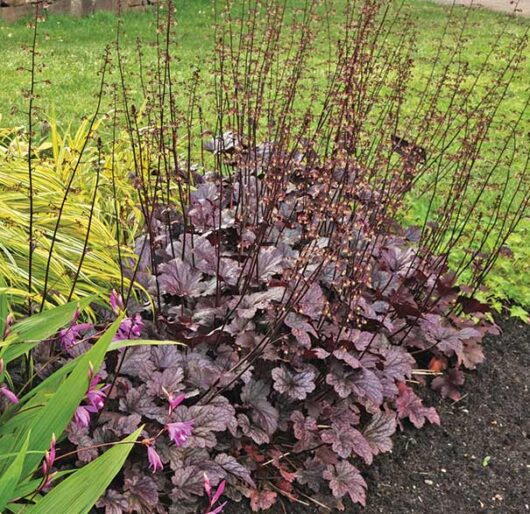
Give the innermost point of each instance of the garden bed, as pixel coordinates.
(476, 461)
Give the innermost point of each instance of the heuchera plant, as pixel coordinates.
(303, 329)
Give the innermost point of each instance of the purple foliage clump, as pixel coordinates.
(302, 328)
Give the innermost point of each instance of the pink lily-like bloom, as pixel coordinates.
(215, 497)
(71, 335)
(96, 396)
(180, 431)
(49, 458)
(155, 464)
(116, 302)
(130, 328)
(82, 415)
(175, 401)
(10, 395)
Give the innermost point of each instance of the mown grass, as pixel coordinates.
(71, 50)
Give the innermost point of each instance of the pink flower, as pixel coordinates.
(179, 431)
(49, 458)
(96, 396)
(116, 302)
(10, 395)
(48, 482)
(9, 322)
(215, 497)
(130, 328)
(217, 509)
(175, 401)
(82, 416)
(71, 335)
(95, 399)
(155, 464)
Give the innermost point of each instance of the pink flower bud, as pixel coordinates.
(116, 302)
(10, 395)
(155, 464)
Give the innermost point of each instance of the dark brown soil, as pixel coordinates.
(476, 461)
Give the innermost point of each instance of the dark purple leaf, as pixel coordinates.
(346, 440)
(165, 356)
(113, 502)
(234, 469)
(141, 492)
(311, 474)
(379, 431)
(305, 430)
(188, 482)
(262, 414)
(137, 362)
(347, 357)
(409, 406)
(257, 434)
(295, 385)
(167, 381)
(344, 478)
(300, 328)
(137, 401)
(215, 416)
(470, 355)
(262, 500)
(177, 278)
(398, 363)
(312, 302)
(449, 383)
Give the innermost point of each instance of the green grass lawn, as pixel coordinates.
(71, 50)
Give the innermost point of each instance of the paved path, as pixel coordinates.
(523, 7)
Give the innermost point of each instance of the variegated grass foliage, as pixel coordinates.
(98, 225)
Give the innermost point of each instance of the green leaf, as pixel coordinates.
(54, 417)
(10, 478)
(80, 491)
(29, 487)
(116, 345)
(29, 332)
(4, 307)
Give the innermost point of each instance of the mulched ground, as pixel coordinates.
(476, 461)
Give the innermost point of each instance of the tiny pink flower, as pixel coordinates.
(71, 335)
(96, 396)
(215, 497)
(10, 395)
(180, 431)
(49, 457)
(155, 464)
(47, 482)
(175, 401)
(217, 509)
(207, 486)
(218, 493)
(130, 328)
(116, 302)
(10, 321)
(82, 416)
